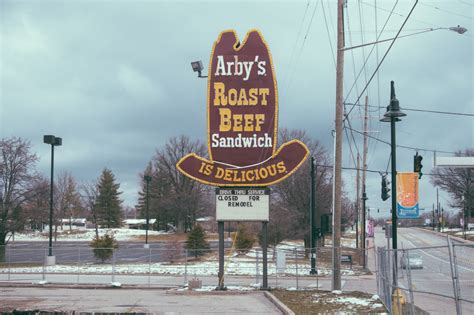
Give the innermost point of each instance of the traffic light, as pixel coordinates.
(385, 189)
(417, 164)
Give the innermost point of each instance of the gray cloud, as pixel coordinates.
(114, 78)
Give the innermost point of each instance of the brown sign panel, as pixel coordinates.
(242, 114)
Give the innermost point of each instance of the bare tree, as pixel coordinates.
(89, 192)
(458, 183)
(174, 198)
(17, 172)
(67, 199)
(293, 194)
(36, 209)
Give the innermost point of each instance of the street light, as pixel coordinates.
(53, 141)
(197, 67)
(458, 29)
(147, 178)
(393, 115)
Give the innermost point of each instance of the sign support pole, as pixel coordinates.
(264, 250)
(220, 275)
(314, 230)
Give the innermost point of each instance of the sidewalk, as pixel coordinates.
(156, 301)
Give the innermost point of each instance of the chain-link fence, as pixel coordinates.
(171, 265)
(436, 279)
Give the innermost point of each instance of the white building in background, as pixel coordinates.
(138, 224)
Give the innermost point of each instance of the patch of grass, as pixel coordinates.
(325, 302)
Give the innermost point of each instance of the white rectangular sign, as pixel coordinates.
(242, 204)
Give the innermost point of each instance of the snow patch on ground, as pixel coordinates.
(86, 235)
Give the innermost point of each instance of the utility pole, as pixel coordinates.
(433, 219)
(357, 201)
(364, 199)
(438, 225)
(364, 174)
(336, 230)
(314, 228)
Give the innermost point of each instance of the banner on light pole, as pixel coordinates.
(407, 195)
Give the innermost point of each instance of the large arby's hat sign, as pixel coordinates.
(242, 113)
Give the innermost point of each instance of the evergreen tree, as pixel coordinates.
(108, 209)
(196, 243)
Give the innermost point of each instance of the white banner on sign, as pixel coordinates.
(242, 204)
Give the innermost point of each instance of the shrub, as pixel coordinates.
(196, 243)
(104, 246)
(244, 239)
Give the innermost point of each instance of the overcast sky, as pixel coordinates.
(113, 78)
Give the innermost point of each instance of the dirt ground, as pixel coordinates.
(324, 302)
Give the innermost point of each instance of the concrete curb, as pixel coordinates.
(457, 238)
(282, 307)
(78, 286)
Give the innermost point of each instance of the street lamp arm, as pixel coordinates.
(458, 29)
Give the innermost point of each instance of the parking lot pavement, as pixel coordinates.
(134, 300)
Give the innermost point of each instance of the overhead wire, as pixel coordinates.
(286, 76)
(374, 147)
(383, 58)
(405, 146)
(420, 110)
(370, 53)
(329, 36)
(302, 45)
(447, 11)
(469, 4)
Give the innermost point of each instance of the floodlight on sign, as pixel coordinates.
(197, 66)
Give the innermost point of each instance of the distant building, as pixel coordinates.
(209, 224)
(138, 224)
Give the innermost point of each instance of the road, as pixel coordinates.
(80, 252)
(436, 275)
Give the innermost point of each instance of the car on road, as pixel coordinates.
(411, 259)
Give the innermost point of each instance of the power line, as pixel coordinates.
(329, 35)
(376, 171)
(405, 146)
(417, 20)
(446, 11)
(419, 110)
(370, 53)
(383, 58)
(295, 45)
(301, 49)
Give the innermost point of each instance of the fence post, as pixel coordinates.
(113, 265)
(149, 266)
(454, 275)
(78, 263)
(257, 268)
(44, 268)
(410, 285)
(186, 267)
(8, 253)
(297, 278)
(376, 266)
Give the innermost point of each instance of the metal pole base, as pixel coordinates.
(50, 260)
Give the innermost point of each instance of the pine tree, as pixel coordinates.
(108, 207)
(196, 243)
